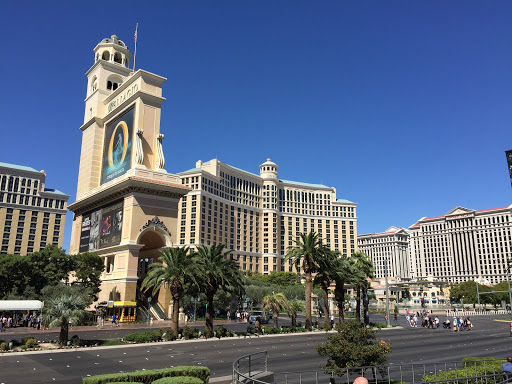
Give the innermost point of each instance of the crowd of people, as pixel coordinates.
(31, 321)
(429, 320)
(238, 316)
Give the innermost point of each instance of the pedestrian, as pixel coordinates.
(332, 321)
(117, 320)
(386, 318)
(228, 315)
(507, 368)
(113, 320)
(38, 321)
(395, 318)
(257, 325)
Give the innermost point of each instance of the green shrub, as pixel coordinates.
(31, 343)
(178, 380)
(270, 330)
(15, 343)
(223, 332)
(4, 346)
(189, 333)
(250, 330)
(474, 367)
(169, 335)
(148, 376)
(142, 337)
(25, 338)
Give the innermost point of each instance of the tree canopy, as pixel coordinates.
(27, 276)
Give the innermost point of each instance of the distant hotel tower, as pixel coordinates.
(463, 245)
(128, 207)
(31, 216)
(391, 246)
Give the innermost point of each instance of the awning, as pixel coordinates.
(125, 303)
(21, 305)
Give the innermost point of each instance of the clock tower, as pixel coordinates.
(126, 207)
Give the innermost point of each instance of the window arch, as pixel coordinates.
(106, 55)
(113, 82)
(118, 58)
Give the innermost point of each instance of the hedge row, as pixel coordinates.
(178, 380)
(471, 374)
(143, 337)
(273, 330)
(149, 376)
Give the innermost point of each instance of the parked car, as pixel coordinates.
(262, 314)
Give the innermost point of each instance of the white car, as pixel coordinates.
(254, 315)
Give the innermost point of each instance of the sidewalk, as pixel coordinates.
(108, 327)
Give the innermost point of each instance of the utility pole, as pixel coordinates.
(508, 282)
(477, 294)
(388, 323)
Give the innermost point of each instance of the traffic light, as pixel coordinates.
(422, 302)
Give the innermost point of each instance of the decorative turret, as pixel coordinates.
(268, 170)
(113, 50)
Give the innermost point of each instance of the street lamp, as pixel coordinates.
(149, 307)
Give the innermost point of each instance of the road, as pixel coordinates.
(286, 353)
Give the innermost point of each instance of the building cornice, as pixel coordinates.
(129, 185)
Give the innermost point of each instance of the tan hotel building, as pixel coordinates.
(128, 206)
(462, 245)
(31, 215)
(391, 247)
(259, 216)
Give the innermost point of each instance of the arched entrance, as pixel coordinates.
(153, 237)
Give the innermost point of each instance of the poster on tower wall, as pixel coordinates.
(111, 225)
(117, 149)
(90, 232)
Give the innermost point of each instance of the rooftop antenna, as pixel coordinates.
(135, 40)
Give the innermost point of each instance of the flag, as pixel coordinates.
(135, 36)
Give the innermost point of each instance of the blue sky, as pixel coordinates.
(402, 106)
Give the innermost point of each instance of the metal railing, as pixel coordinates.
(251, 369)
(449, 372)
(248, 366)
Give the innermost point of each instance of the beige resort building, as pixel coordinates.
(31, 215)
(462, 245)
(128, 206)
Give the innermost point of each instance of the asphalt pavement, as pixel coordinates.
(291, 352)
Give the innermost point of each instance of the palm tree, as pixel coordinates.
(341, 273)
(307, 251)
(176, 269)
(364, 270)
(63, 308)
(276, 302)
(216, 271)
(323, 279)
(295, 306)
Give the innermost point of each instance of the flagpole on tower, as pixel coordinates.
(135, 40)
